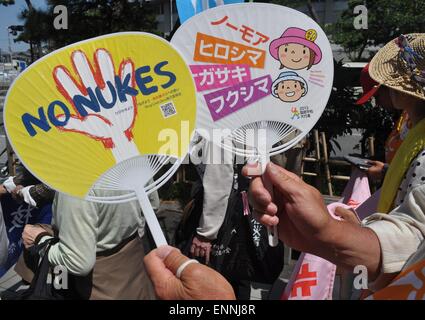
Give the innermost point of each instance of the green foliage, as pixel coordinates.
(377, 122)
(87, 19)
(342, 114)
(387, 19)
(35, 26)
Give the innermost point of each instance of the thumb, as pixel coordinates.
(286, 182)
(166, 285)
(169, 257)
(342, 212)
(174, 260)
(346, 214)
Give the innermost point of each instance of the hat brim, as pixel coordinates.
(389, 68)
(368, 95)
(275, 44)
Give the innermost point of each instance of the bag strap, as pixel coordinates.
(43, 268)
(35, 250)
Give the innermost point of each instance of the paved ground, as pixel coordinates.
(10, 283)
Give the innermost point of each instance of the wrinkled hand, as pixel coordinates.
(30, 234)
(113, 125)
(198, 282)
(375, 171)
(304, 219)
(201, 247)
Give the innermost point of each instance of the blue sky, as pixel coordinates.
(8, 17)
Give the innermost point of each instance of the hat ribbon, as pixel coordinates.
(408, 55)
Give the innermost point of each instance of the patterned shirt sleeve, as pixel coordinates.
(402, 231)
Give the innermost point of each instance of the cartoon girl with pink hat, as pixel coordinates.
(296, 49)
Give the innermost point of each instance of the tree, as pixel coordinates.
(35, 29)
(87, 19)
(387, 19)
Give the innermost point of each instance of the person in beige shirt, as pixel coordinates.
(100, 244)
(217, 182)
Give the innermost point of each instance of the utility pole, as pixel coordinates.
(9, 31)
(171, 16)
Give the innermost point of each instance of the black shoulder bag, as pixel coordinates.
(40, 288)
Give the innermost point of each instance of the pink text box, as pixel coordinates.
(216, 76)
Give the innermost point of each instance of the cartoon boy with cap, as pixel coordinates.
(289, 87)
(296, 49)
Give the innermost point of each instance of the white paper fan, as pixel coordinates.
(263, 71)
(94, 116)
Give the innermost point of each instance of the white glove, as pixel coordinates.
(25, 194)
(9, 184)
(112, 126)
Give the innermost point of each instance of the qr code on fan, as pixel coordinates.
(168, 109)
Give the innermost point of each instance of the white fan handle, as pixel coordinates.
(272, 233)
(153, 224)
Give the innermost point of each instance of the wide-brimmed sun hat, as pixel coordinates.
(400, 65)
(289, 75)
(299, 36)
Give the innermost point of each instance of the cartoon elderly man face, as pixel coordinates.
(290, 90)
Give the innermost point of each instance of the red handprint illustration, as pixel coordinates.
(108, 96)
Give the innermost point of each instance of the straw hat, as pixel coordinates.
(391, 69)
